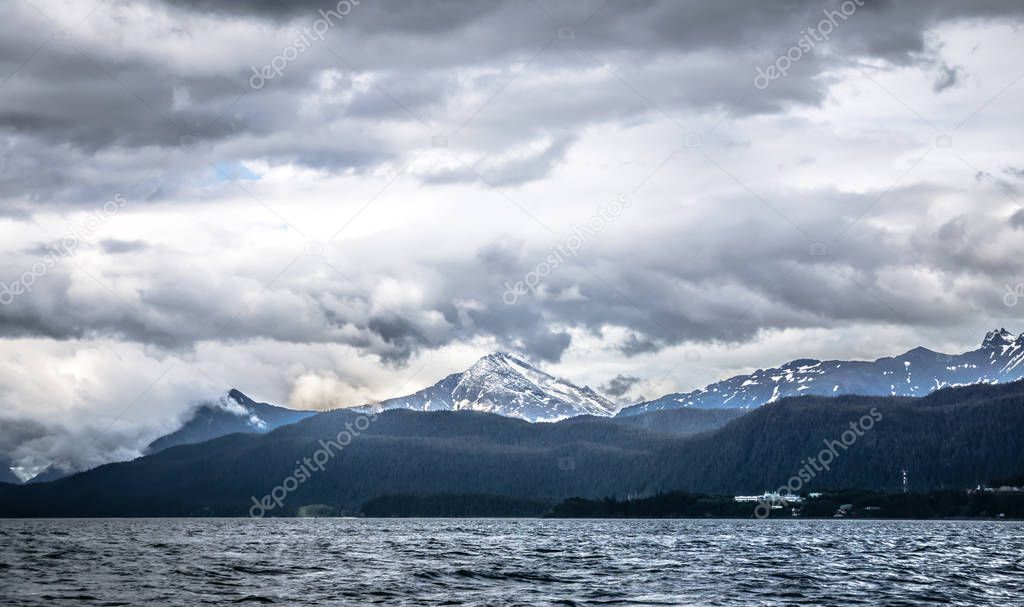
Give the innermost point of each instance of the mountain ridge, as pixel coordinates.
(916, 372)
(234, 412)
(953, 438)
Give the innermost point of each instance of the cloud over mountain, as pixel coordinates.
(359, 216)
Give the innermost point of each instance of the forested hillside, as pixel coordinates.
(954, 438)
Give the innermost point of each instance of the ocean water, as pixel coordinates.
(510, 562)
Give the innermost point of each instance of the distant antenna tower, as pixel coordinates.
(905, 490)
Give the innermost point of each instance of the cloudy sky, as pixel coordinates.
(202, 194)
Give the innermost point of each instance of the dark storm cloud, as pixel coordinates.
(897, 25)
(620, 386)
(635, 345)
(545, 344)
(88, 96)
(82, 122)
(401, 337)
(50, 312)
(433, 16)
(719, 296)
(117, 102)
(14, 431)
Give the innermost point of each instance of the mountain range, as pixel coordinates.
(1000, 359)
(507, 385)
(953, 438)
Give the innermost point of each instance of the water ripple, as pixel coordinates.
(510, 562)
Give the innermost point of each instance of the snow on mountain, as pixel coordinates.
(915, 373)
(503, 384)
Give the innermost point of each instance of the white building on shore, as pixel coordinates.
(774, 498)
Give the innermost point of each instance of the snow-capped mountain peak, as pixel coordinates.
(998, 339)
(507, 385)
(496, 363)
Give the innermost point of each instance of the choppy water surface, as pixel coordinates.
(506, 562)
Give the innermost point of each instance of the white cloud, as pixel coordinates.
(712, 257)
